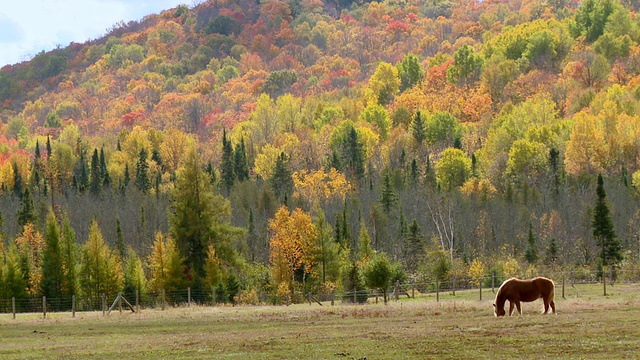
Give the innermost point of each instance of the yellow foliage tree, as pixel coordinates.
(30, 247)
(291, 243)
(477, 270)
(319, 186)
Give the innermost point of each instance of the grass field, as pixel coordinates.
(588, 325)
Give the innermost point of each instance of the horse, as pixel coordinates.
(516, 290)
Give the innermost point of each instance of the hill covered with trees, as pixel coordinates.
(280, 145)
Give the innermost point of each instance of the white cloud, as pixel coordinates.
(30, 26)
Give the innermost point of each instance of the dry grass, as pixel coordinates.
(588, 325)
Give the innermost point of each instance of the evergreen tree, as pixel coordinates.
(142, 181)
(240, 162)
(81, 173)
(325, 251)
(48, 147)
(200, 218)
(603, 231)
(389, 196)
(415, 172)
(95, 174)
(552, 252)
(355, 154)
(14, 280)
(120, 240)
(17, 181)
(104, 172)
(155, 156)
(532, 251)
(281, 181)
(338, 238)
(52, 261)
(27, 214)
(365, 251)
(37, 151)
(166, 266)
(227, 170)
(69, 259)
(127, 176)
(335, 161)
(418, 128)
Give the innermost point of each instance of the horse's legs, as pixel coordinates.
(553, 306)
(518, 306)
(511, 307)
(546, 306)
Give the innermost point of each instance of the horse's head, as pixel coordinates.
(497, 311)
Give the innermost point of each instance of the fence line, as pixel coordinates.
(427, 288)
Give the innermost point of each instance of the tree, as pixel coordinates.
(199, 218)
(377, 115)
(100, 272)
(281, 181)
(134, 277)
(290, 245)
(591, 18)
(466, 67)
(385, 83)
(27, 214)
(165, 264)
(69, 259)
(52, 261)
(418, 128)
(104, 172)
(409, 71)
(227, 168)
(13, 276)
(388, 196)
(30, 248)
(120, 248)
(378, 273)
(17, 181)
(532, 251)
(453, 168)
(143, 181)
(325, 251)
(241, 165)
(442, 128)
(96, 179)
(603, 230)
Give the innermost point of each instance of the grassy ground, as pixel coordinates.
(588, 325)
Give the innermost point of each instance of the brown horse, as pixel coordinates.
(516, 290)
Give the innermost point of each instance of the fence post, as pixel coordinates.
(354, 296)
(163, 301)
(453, 284)
(73, 306)
(103, 302)
(44, 307)
(120, 302)
(333, 297)
(563, 287)
(213, 296)
(376, 296)
(413, 290)
(287, 297)
(13, 306)
(309, 298)
(396, 290)
(480, 281)
(189, 297)
(437, 291)
(493, 283)
(604, 280)
(138, 301)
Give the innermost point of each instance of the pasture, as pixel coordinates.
(588, 325)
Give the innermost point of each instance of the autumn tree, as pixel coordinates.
(227, 168)
(385, 83)
(325, 252)
(453, 168)
(30, 249)
(100, 272)
(165, 265)
(69, 259)
(409, 71)
(290, 245)
(281, 181)
(143, 180)
(134, 276)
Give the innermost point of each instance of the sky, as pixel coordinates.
(28, 27)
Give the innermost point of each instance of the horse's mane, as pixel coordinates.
(503, 283)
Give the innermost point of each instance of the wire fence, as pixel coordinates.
(483, 288)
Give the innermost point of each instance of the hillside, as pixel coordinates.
(440, 133)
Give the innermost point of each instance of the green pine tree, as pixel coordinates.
(70, 259)
(17, 181)
(532, 251)
(100, 272)
(281, 181)
(52, 261)
(27, 213)
(95, 174)
(227, 170)
(418, 129)
(143, 181)
(389, 196)
(120, 248)
(603, 230)
(104, 172)
(240, 162)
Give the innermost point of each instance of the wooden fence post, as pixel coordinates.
(163, 300)
(189, 297)
(563, 287)
(453, 284)
(213, 296)
(138, 301)
(604, 280)
(333, 297)
(309, 298)
(13, 306)
(287, 299)
(480, 281)
(44, 307)
(413, 290)
(437, 291)
(73, 306)
(120, 302)
(104, 312)
(396, 290)
(354, 295)
(493, 283)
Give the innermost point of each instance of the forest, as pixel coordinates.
(281, 147)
